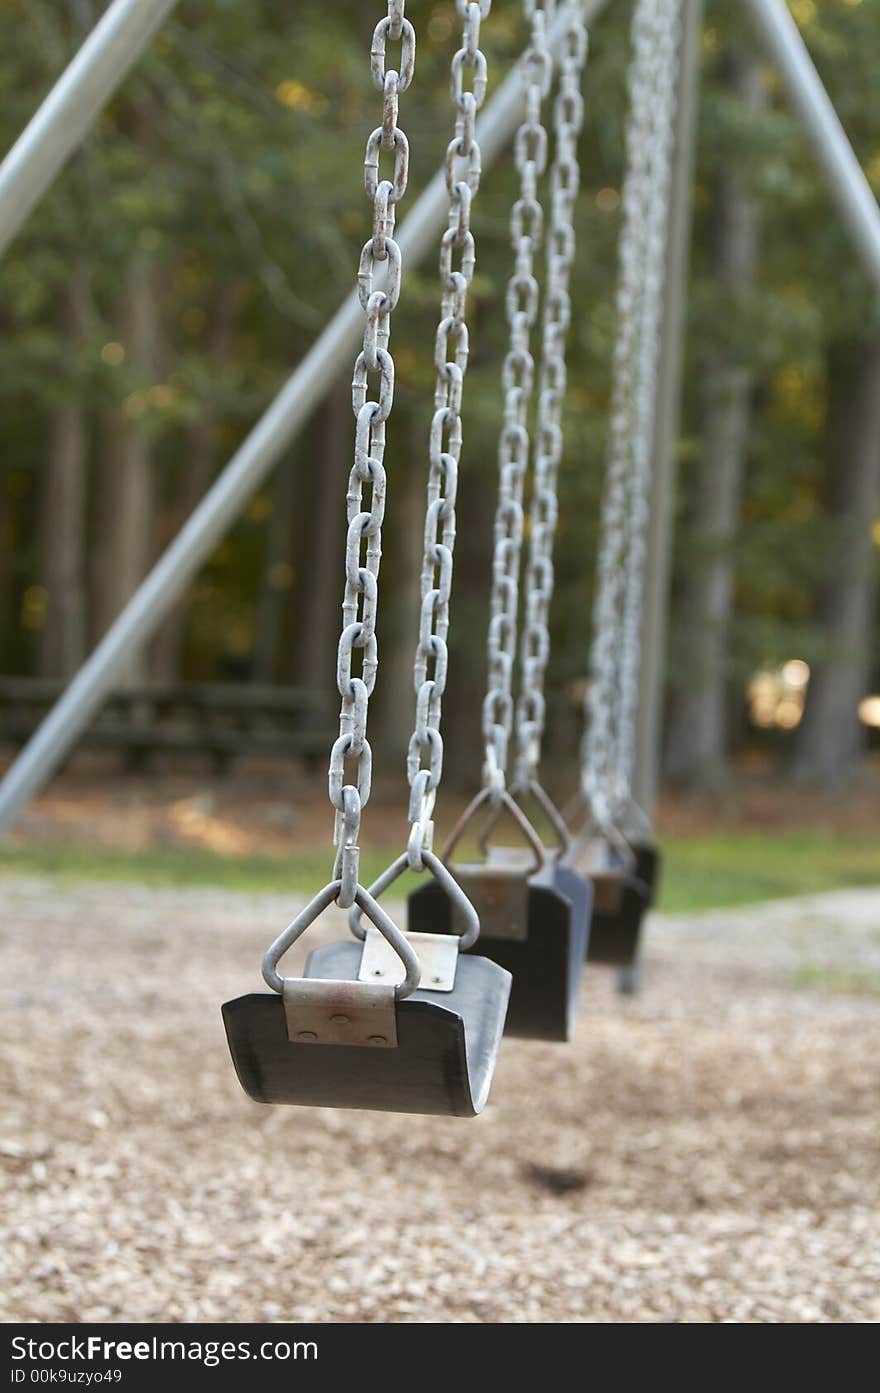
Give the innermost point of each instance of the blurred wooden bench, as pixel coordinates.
(223, 720)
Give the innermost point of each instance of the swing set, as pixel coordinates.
(412, 1020)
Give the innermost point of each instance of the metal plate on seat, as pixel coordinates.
(499, 892)
(608, 888)
(340, 1013)
(605, 868)
(438, 955)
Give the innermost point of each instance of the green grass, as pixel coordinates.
(837, 979)
(702, 873)
(179, 866)
(738, 869)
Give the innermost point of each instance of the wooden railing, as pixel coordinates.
(223, 720)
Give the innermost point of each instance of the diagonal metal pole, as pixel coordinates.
(272, 434)
(85, 86)
(846, 179)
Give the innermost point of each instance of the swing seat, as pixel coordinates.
(442, 1064)
(620, 902)
(534, 928)
(648, 869)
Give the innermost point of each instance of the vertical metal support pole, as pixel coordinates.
(58, 127)
(659, 543)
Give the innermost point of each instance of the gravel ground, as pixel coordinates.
(706, 1152)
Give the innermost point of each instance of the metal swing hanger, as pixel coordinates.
(515, 444)
(534, 912)
(560, 245)
(614, 846)
(403, 1024)
(547, 444)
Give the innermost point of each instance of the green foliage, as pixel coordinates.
(230, 163)
(810, 294)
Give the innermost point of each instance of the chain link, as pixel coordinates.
(646, 400)
(371, 405)
(463, 166)
(568, 115)
(526, 231)
(612, 698)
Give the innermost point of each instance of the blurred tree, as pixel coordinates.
(320, 591)
(697, 733)
(831, 739)
(845, 41)
(278, 571)
(215, 219)
(810, 292)
(64, 504)
(201, 453)
(126, 478)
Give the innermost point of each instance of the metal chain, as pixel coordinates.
(645, 191)
(568, 116)
(526, 230)
(363, 548)
(600, 731)
(457, 261)
(666, 74)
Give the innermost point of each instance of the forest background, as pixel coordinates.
(190, 253)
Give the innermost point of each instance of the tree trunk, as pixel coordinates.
(166, 649)
(830, 738)
(200, 455)
(469, 608)
(696, 746)
(7, 541)
(126, 503)
(399, 606)
(321, 586)
(62, 524)
(278, 572)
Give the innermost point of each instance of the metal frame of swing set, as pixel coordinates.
(62, 123)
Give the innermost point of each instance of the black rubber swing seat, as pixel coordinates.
(546, 962)
(447, 1044)
(620, 904)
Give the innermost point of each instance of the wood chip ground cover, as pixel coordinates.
(707, 1151)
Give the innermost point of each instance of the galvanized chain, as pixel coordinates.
(526, 230)
(457, 261)
(568, 116)
(363, 549)
(650, 92)
(599, 733)
(666, 87)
